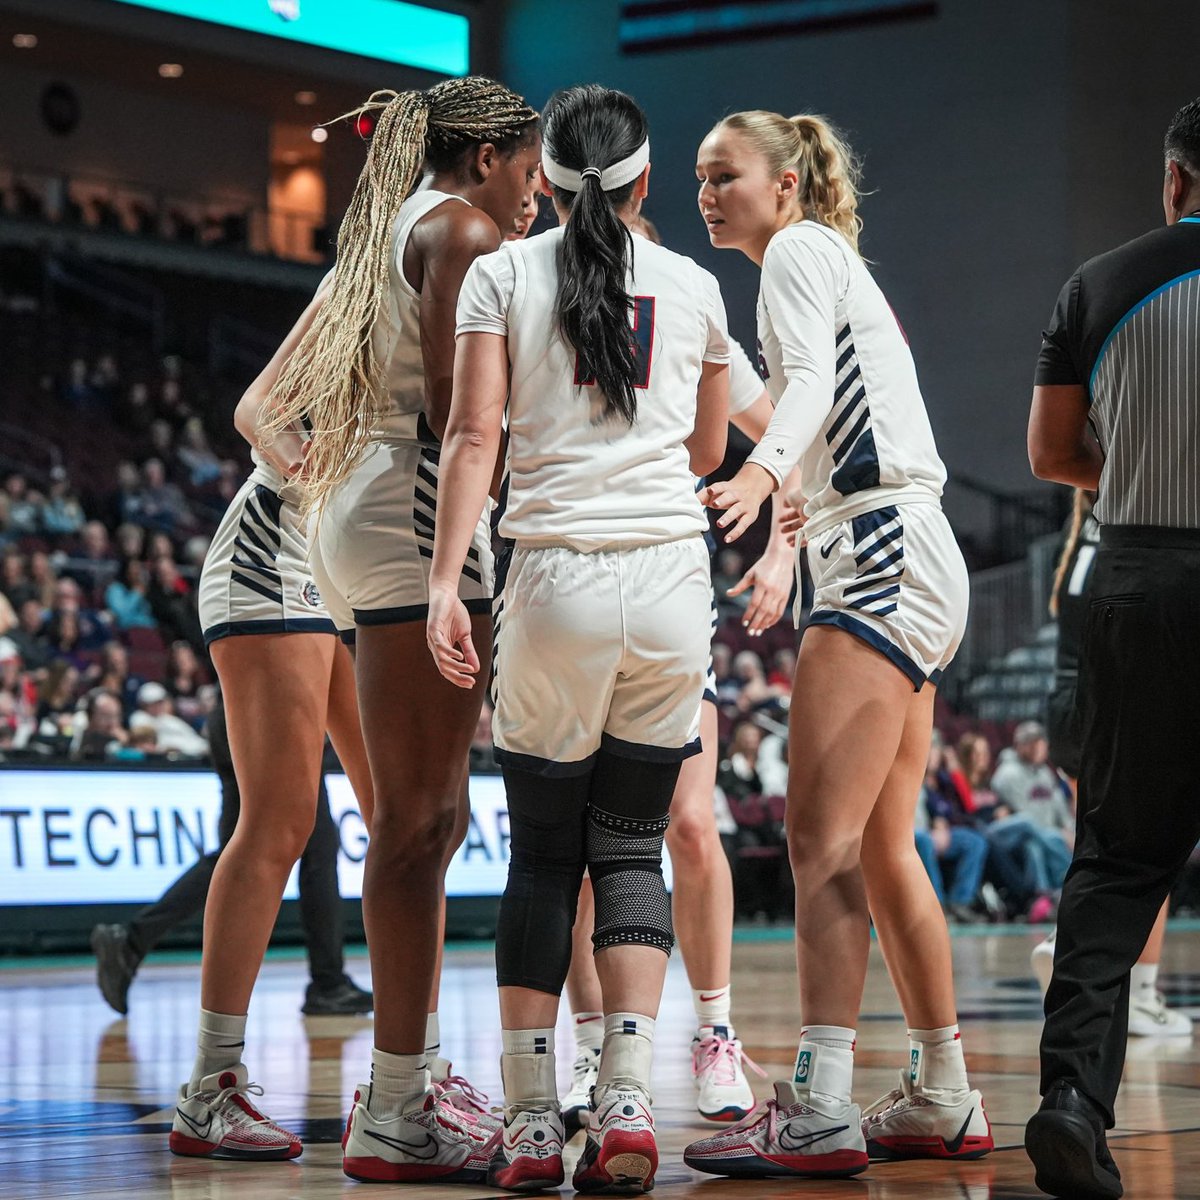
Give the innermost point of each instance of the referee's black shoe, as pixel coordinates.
(1065, 1140)
(344, 999)
(116, 965)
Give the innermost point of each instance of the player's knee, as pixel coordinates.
(825, 853)
(625, 863)
(692, 839)
(414, 840)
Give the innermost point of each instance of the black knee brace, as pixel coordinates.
(547, 820)
(627, 817)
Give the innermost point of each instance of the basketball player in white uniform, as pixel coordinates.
(285, 680)
(602, 651)
(702, 899)
(373, 378)
(888, 613)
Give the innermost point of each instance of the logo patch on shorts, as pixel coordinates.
(310, 595)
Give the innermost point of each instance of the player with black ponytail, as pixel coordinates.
(610, 356)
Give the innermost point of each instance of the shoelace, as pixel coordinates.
(456, 1085)
(903, 1092)
(583, 1066)
(250, 1089)
(722, 1056)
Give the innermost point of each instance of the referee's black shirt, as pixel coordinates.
(1127, 327)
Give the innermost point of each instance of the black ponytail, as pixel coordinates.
(594, 126)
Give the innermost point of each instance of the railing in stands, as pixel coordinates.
(116, 291)
(29, 453)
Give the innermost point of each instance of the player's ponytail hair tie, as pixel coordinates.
(616, 175)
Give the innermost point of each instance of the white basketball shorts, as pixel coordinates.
(895, 578)
(606, 649)
(374, 540)
(256, 577)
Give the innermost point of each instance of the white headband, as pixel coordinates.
(615, 175)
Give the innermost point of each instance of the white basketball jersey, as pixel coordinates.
(838, 366)
(396, 335)
(576, 477)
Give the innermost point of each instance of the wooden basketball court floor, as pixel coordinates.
(85, 1098)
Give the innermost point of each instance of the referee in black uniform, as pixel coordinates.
(1122, 355)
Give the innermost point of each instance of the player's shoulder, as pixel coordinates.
(806, 238)
(651, 257)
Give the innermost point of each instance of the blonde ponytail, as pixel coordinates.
(828, 170)
(333, 382)
(829, 177)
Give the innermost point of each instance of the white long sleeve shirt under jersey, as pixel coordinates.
(848, 407)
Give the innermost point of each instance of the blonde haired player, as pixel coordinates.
(888, 613)
(610, 356)
(285, 680)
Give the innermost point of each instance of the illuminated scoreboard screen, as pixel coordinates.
(124, 836)
(412, 35)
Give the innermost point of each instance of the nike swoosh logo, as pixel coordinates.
(954, 1146)
(200, 1132)
(417, 1151)
(714, 996)
(808, 1139)
(588, 1020)
(826, 551)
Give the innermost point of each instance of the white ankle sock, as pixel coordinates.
(589, 1032)
(1143, 978)
(219, 1045)
(712, 1007)
(396, 1081)
(628, 1049)
(936, 1064)
(527, 1066)
(825, 1063)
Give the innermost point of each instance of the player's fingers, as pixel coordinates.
(733, 513)
(744, 521)
(752, 619)
(470, 660)
(742, 584)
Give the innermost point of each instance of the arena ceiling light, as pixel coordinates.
(25, 41)
(170, 70)
(394, 31)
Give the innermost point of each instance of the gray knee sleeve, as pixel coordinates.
(625, 863)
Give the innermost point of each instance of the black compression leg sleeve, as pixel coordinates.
(627, 817)
(547, 818)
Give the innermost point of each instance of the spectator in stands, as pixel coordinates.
(172, 404)
(56, 695)
(106, 381)
(127, 502)
(975, 760)
(160, 504)
(783, 669)
(111, 674)
(28, 638)
(8, 723)
(24, 506)
(62, 514)
(755, 692)
(173, 603)
(43, 577)
(737, 776)
(14, 579)
(131, 541)
(953, 842)
(728, 569)
(7, 536)
(136, 413)
(91, 630)
(772, 763)
(185, 681)
(728, 687)
(95, 546)
(105, 732)
(1032, 815)
(195, 551)
(203, 467)
(126, 597)
(174, 735)
(8, 615)
(76, 390)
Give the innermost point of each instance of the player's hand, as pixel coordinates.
(739, 498)
(771, 578)
(448, 633)
(791, 521)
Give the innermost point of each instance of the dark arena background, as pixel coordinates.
(172, 180)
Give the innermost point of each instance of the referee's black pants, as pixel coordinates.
(320, 900)
(1139, 794)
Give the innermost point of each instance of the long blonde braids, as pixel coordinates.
(1080, 509)
(334, 381)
